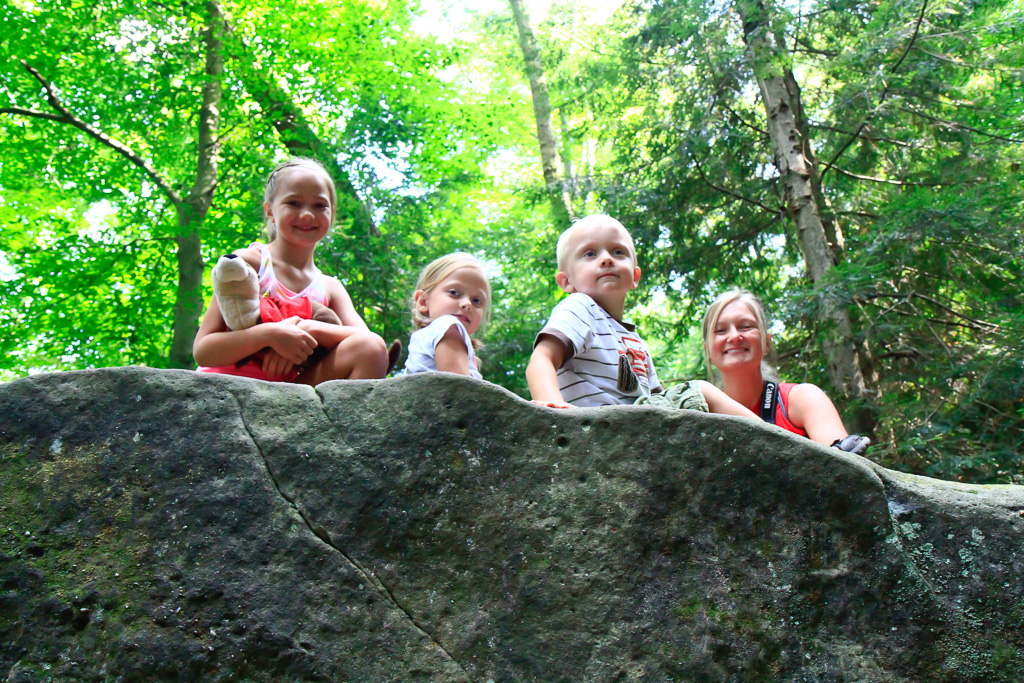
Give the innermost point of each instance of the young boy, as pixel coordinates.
(586, 355)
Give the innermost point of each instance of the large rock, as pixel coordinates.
(172, 525)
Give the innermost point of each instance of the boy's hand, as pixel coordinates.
(553, 404)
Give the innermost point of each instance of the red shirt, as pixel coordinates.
(782, 410)
(272, 310)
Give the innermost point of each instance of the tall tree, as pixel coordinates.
(916, 130)
(561, 202)
(801, 181)
(192, 206)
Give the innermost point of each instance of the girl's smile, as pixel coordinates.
(303, 208)
(462, 294)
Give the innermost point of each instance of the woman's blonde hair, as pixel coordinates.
(273, 185)
(435, 273)
(757, 308)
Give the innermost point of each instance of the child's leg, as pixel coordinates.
(719, 401)
(361, 355)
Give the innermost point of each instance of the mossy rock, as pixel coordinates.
(165, 524)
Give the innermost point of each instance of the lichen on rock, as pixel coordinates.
(439, 528)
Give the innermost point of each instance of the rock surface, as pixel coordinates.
(169, 525)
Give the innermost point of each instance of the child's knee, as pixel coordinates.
(369, 347)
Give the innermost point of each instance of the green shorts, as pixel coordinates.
(685, 395)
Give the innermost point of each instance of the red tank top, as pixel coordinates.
(782, 410)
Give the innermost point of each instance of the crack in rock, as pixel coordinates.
(325, 538)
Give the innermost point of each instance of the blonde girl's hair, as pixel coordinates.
(273, 184)
(757, 308)
(435, 273)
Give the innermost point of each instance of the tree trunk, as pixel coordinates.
(796, 164)
(829, 220)
(192, 211)
(568, 169)
(557, 192)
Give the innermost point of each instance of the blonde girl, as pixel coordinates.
(299, 203)
(737, 346)
(450, 304)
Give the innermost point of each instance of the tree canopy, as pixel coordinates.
(135, 137)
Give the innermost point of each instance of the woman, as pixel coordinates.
(736, 342)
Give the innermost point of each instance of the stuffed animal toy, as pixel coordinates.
(237, 288)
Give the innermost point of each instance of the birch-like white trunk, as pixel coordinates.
(559, 196)
(795, 161)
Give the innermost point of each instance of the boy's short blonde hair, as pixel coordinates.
(714, 312)
(592, 221)
(274, 181)
(435, 273)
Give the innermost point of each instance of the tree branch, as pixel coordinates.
(811, 50)
(972, 323)
(868, 136)
(958, 126)
(775, 212)
(885, 92)
(913, 38)
(751, 126)
(883, 180)
(66, 116)
(860, 214)
(32, 113)
(912, 353)
(964, 65)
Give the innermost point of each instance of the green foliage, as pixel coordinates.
(918, 136)
(915, 119)
(84, 292)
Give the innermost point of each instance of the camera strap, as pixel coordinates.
(769, 400)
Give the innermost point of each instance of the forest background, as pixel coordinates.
(856, 163)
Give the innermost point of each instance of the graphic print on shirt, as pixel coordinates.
(637, 357)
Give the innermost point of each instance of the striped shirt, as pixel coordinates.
(594, 343)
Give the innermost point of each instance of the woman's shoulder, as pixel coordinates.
(806, 394)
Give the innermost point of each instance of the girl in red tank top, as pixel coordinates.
(299, 204)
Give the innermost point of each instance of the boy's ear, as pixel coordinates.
(562, 278)
(421, 302)
(266, 209)
(636, 276)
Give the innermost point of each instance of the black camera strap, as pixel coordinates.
(769, 400)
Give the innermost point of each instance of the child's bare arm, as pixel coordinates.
(542, 372)
(341, 303)
(720, 402)
(216, 345)
(450, 354)
(326, 334)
